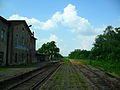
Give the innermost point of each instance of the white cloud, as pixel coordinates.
(100, 30)
(52, 37)
(76, 23)
(86, 42)
(68, 18)
(49, 24)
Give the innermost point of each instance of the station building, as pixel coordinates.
(17, 43)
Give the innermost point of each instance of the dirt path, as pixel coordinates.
(75, 76)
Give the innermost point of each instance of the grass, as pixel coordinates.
(16, 66)
(3, 68)
(66, 78)
(110, 66)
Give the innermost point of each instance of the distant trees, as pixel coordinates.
(106, 46)
(79, 54)
(50, 49)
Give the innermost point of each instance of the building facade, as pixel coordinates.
(3, 40)
(18, 45)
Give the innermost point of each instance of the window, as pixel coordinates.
(1, 57)
(17, 40)
(22, 57)
(23, 41)
(16, 58)
(2, 35)
(23, 30)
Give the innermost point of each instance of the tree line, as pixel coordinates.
(106, 46)
(51, 50)
(79, 54)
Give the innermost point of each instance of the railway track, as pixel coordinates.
(112, 80)
(36, 80)
(99, 78)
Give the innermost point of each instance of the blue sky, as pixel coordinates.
(72, 24)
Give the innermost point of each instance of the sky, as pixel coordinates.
(73, 24)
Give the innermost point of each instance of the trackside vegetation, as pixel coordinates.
(105, 52)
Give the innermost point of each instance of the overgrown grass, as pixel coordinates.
(110, 66)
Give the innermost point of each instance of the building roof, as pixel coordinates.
(16, 22)
(3, 19)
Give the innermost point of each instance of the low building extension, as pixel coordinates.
(41, 57)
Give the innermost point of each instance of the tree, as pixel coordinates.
(50, 49)
(107, 45)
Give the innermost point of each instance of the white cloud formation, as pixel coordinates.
(68, 18)
(86, 42)
(52, 37)
(36, 23)
(75, 22)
